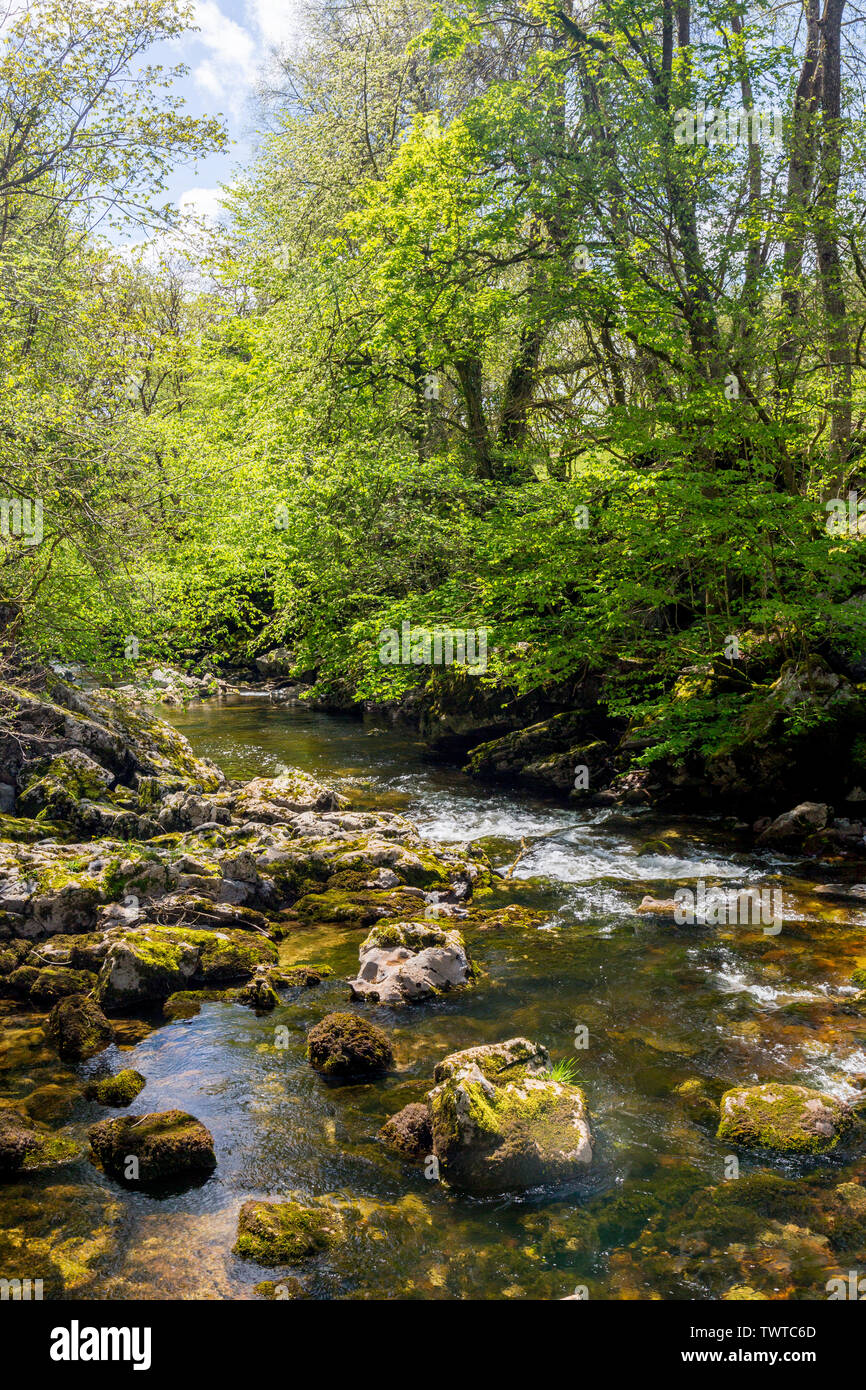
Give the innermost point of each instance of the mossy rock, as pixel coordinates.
(347, 1045)
(502, 1121)
(280, 1233)
(408, 1133)
(168, 1144)
(356, 909)
(78, 1028)
(57, 982)
(119, 1090)
(186, 1003)
(783, 1119)
(24, 1148)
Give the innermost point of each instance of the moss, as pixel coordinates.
(345, 1044)
(280, 1233)
(25, 831)
(165, 1145)
(120, 1090)
(56, 982)
(186, 1003)
(415, 936)
(359, 909)
(78, 1028)
(787, 1119)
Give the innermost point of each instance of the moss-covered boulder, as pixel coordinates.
(280, 1233)
(405, 962)
(149, 1148)
(57, 982)
(408, 1133)
(358, 908)
(119, 1090)
(501, 1120)
(347, 1045)
(259, 993)
(151, 963)
(24, 1148)
(269, 799)
(78, 1028)
(783, 1119)
(145, 965)
(55, 790)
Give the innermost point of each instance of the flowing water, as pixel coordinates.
(661, 1006)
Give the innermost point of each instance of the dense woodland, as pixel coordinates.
(482, 339)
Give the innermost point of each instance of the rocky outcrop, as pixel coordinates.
(405, 962)
(149, 963)
(783, 1119)
(501, 1120)
(149, 1148)
(547, 756)
(346, 1045)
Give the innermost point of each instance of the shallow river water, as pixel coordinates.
(662, 1006)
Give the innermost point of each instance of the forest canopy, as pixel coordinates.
(540, 318)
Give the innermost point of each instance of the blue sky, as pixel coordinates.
(233, 42)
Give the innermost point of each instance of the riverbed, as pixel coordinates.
(658, 1019)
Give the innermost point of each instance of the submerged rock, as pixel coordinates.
(78, 1028)
(786, 1119)
(408, 1133)
(146, 1148)
(119, 1090)
(403, 962)
(347, 1045)
(279, 1233)
(501, 1120)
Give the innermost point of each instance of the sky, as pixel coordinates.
(234, 41)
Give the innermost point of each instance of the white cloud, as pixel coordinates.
(229, 70)
(201, 202)
(277, 21)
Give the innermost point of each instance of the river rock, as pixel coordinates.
(23, 1147)
(501, 1121)
(279, 1233)
(794, 826)
(165, 1145)
(403, 962)
(785, 1119)
(78, 1028)
(408, 1133)
(150, 963)
(119, 1090)
(347, 1045)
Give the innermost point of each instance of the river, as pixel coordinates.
(658, 1008)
